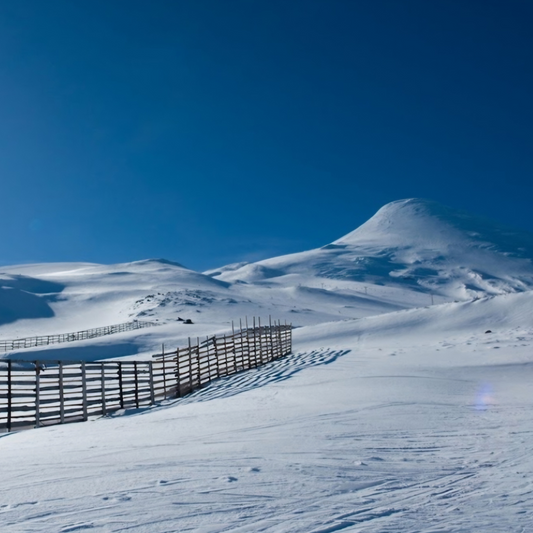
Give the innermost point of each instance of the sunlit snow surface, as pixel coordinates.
(384, 426)
(400, 417)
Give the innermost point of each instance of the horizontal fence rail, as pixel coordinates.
(42, 393)
(44, 340)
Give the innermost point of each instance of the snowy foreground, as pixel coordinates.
(410, 421)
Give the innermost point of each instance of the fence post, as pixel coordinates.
(280, 339)
(225, 355)
(227, 352)
(84, 390)
(258, 340)
(61, 394)
(241, 343)
(212, 341)
(136, 380)
(178, 377)
(271, 356)
(234, 352)
(208, 359)
(245, 351)
(190, 365)
(252, 352)
(102, 381)
(120, 385)
(257, 337)
(255, 345)
(198, 358)
(151, 376)
(247, 343)
(9, 396)
(164, 376)
(234, 347)
(37, 395)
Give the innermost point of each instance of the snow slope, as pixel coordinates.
(413, 421)
(95, 295)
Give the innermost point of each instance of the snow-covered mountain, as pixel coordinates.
(413, 244)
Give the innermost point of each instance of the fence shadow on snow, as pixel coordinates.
(276, 372)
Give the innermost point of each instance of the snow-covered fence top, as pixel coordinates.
(42, 393)
(44, 340)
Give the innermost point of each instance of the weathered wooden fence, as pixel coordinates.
(179, 372)
(44, 393)
(44, 340)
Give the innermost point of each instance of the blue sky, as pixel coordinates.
(215, 131)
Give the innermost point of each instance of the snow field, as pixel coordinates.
(373, 433)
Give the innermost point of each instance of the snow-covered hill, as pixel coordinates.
(73, 294)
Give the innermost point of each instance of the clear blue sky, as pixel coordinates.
(214, 131)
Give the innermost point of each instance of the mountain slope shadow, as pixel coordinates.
(273, 372)
(19, 297)
(29, 284)
(16, 304)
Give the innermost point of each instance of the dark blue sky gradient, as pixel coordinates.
(210, 132)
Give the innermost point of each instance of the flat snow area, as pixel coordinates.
(412, 421)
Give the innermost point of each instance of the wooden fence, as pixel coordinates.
(44, 393)
(44, 340)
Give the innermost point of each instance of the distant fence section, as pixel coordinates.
(42, 393)
(44, 340)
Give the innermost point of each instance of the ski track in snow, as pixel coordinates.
(384, 493)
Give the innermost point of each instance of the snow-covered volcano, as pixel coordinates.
(414, 244)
